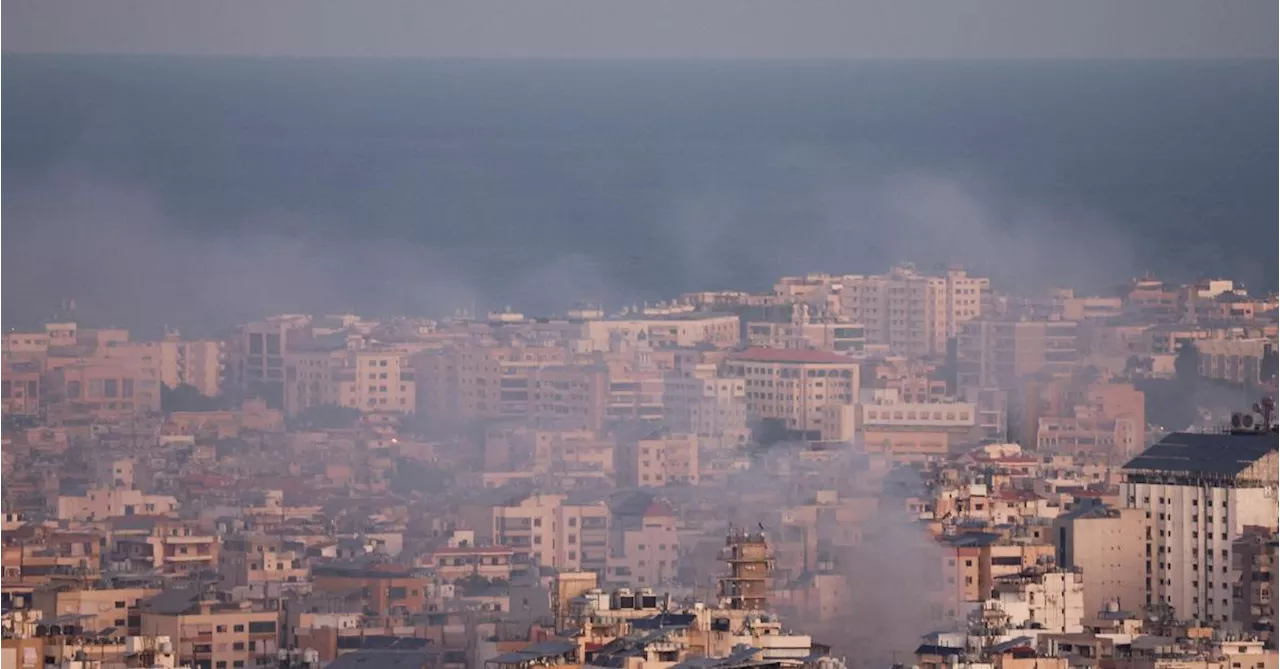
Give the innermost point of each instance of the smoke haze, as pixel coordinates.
(199, 192)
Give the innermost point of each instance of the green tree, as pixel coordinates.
(186, 397)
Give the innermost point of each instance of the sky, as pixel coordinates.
(976, 29)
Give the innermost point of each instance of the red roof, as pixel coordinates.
(790, 355)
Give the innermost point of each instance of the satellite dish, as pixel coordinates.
(1235, 420)
(1247, 419)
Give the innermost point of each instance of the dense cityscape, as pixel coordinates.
(909, 469)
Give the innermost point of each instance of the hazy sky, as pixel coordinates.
(650, 28)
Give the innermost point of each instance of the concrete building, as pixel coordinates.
(1108, 546)
(711, 407)
(256, 357)
(794, 387)
(687, 328)
(546, 530)
(659, 460)
(910, 312)
(1235, 361)
(104, 607)
(103, 503)
(643, 548)
(910, 431)
(1255, 569)
(377, 381)
(997, 354)
(1049, 599)
(1201, 491)
(211, 634)
(199, 364)
(21, 388)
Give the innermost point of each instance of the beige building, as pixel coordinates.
(1109, 547)
(997, 354)
(210, 634)
(712, 407)
(104, 390)
(1237, 361)
(644, 547)
(103, 503)
(689, 328)
(836, 337)
(660, 460)
(194, 363)
(377, 381)
(544, 529)
(106, 608)
(257, 559)
(794, 387)
(907, 311)
(914, 431)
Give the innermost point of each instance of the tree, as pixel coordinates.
(186, 397)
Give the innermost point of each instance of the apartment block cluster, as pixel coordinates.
(727, 479)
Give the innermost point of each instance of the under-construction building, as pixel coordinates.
(746, 586)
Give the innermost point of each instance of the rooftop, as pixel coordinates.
(791, 355)
(1218, 455)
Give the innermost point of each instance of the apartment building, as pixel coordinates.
(1257, 577)
(103, 503)
(376, 381)
(997, 354)
(211, 634)
(687, 328)
(914, 431)
(548, 530)
(1106, 420)
(571, 395)
(1201, 491)
(907, 311)
(256, 357)
(199, 364)
(659, 460)
(20, 388)
(1048, 599)
(712, 407)
(254, 560)
(793, 387)
(836, 337)
(1108, 545)
(974, 560)
(471, 382)
(644, 546)
(1235, 361)
(311, 375)
(99, 390)
(103, 608)
(168, 547)
(635, 394)
(383, 587)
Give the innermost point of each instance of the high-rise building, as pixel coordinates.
(1109, 547)
(794, 387)
(1200, 491)
(997, 354)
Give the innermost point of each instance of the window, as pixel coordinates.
(120, 604)
(238, 628)
(239, 645)
(220, 629)
(263, 627)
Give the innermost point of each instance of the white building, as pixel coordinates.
(1200, 491)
